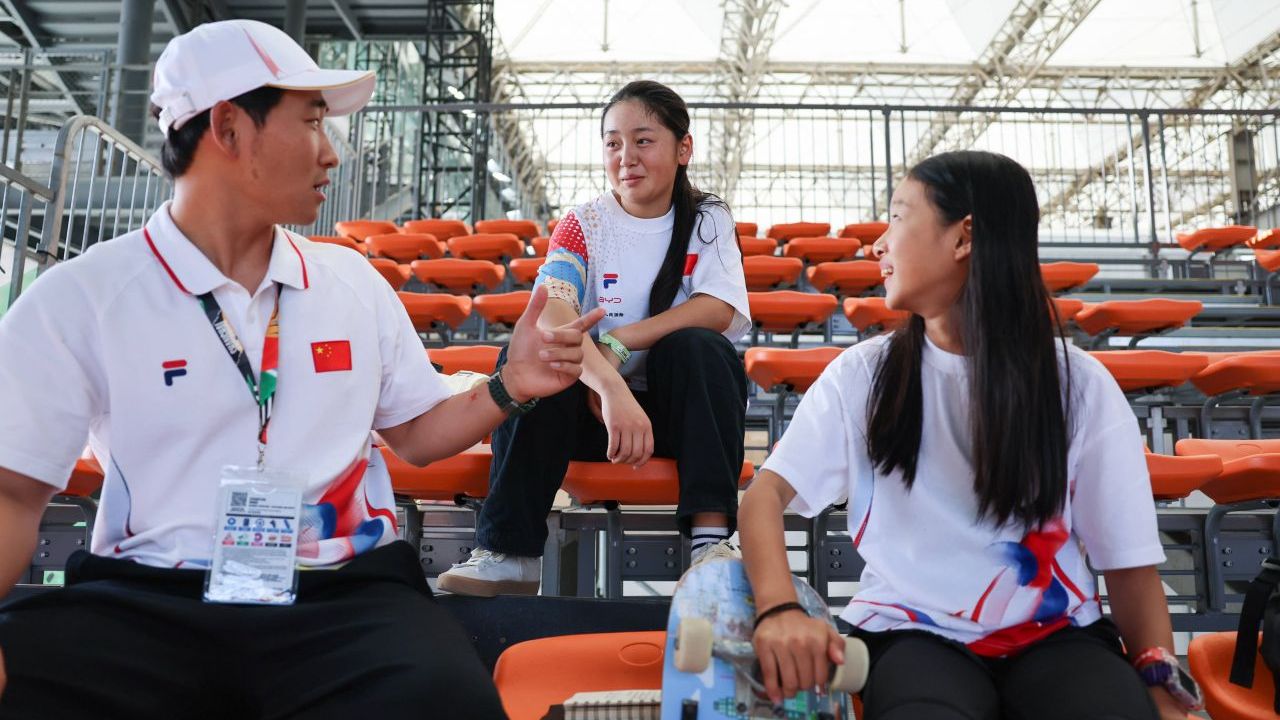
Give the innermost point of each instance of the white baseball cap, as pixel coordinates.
(221, 60)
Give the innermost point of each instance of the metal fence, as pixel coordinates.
(1103, 176)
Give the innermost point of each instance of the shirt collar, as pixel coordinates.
(192, 272)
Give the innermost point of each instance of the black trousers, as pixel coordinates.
(124, 640)
(697, 403)
(1074, 674)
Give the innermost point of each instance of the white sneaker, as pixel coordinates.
(714, 551)
(487, 573)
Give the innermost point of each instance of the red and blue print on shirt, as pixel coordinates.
(1029, 564)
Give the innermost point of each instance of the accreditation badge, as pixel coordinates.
(255, 543)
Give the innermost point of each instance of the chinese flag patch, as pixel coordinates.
(331, 355)
(690, 262)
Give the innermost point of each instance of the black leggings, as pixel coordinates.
(697, 403)
(1074, 674)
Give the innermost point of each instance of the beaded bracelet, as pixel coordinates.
(778, 609)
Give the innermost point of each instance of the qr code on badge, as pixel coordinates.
(239, 500)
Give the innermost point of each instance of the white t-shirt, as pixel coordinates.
(114, 346)
(601, 256)
(930, 565)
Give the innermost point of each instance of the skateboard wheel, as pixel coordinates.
(693, 645)
(852, 675)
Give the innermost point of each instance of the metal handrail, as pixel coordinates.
(47, 250)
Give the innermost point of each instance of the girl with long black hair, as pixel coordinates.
(986, 465)
(661, 377)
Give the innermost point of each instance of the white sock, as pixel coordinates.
(704, 535)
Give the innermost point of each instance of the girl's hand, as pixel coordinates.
(630, 432)
(795, 653)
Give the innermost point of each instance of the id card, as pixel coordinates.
(255, 541)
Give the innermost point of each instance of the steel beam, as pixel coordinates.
(348, 17)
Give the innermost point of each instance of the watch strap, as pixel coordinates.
(503, 399)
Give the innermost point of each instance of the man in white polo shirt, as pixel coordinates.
(213, 338)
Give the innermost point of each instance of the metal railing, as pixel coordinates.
(23, 205)
(104, 185)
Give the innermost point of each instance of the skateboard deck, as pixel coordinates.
(714, 604)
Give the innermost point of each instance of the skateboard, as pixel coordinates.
(710, 668)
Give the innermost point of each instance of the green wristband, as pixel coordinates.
(616, 346)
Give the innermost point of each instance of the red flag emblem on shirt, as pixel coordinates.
(690, 262)
(331, 356)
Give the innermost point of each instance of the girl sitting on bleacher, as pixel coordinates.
(664, 379)
(986, 465)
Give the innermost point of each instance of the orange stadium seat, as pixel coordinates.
(342, 240)
(502, 309)
(494, 247)
(551, 225)
(747, 229)
(394, 273)
(794, 370)
(1217, 238)
(871, 315)
(1250, 468)
(86, 478)
(1252, 373)
(1136, 317)
(786, 231)
(526, 230)
(822, 249)
(1268, 259)
(524, 271)
(404, 247)
(757, 246)
(1173, 477)
(358, 230)
(656, 483)
(852, 277)
(767, 272)
(534, 675)
(476, 358)
(1209, 658)
(540, 245)
(789, 310)
(1062, 276)
(436, 312)
(459, 276)
(1266, 240)
(463, 476)
(866, 233)
(1136, 370)
(783, 372)
(1068, 308)
(442, 229)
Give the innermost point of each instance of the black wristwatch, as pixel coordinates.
(499, 393)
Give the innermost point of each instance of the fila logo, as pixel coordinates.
(173, 369)
(610, 279)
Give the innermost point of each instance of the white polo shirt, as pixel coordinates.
(115, 346)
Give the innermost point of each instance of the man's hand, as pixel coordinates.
(542, 362)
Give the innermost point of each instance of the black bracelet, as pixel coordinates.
(779, 609)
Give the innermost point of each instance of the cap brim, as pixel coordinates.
(345, 91)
